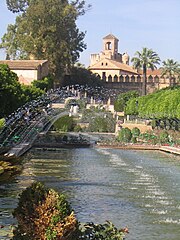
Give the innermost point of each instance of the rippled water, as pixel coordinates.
(138, 189)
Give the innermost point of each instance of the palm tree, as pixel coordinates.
(144, 60)
(170, 69)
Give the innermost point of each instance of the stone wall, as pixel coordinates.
(134, 82)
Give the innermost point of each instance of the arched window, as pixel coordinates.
(104, 76)
(127, 78)
(150, 79)
(156, 79)
(109, 78)
(108, 46)
(115, 78)
(121, 78)
(132, 78)
(138, 78)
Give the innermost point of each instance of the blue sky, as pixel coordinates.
(136, 23)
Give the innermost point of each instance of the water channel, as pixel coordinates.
(138, 189)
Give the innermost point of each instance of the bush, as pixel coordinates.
(124, 135)
(77, 128)
(43, 213)
(64, 124)
(135, 132)
(163, 137)
(102, 124)
(134, 140)
(2, 122)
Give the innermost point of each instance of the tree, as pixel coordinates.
(144, 60)
(45, 84)
(81, 75)
(46, 31)
(170, 69)
(10, 91)
(17, 5)
(122, 99)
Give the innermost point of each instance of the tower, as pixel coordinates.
(110, 47)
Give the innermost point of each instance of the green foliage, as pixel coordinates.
(46, 31)
(106, 231)
(64, 124)
(102, 123)
(77, 128)
(149, 137)
(44, 84)
(163, 104)
(43, 213)
(2, 122)
(170, 69)
(10, 91)
(135, 132)
(134, 139)
(131, 107)
(122, 99)
(145, 59)
(163, 136)
(124, 135)
(82, 76)
(30, 93)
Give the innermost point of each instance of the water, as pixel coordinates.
(138, 189)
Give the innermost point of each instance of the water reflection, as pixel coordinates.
(134, 188)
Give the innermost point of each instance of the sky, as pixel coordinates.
(153, 24)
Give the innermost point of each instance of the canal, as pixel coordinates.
(138, 189)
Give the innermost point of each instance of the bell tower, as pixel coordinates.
(110, 47)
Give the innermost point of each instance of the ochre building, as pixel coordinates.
(109, 64)
(114, 69)
(28, 70)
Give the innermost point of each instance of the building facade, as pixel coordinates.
(28, 70)
(114, 70)
(109, 64)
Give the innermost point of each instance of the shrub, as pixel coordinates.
(2, 122)
(106, 231)
(134, 140)
(135, 132)
(163, 137)
(43, 213)
(77, 128)
(102, 124)
(124, 135)
(64, 124)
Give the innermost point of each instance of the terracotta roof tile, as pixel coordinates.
(110, 36)
(23, 64)
(113, 65)
(155, 72)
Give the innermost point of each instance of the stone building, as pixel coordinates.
(110, 64)
(28, 70)
(114, 70)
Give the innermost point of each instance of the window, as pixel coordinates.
(108, 46)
